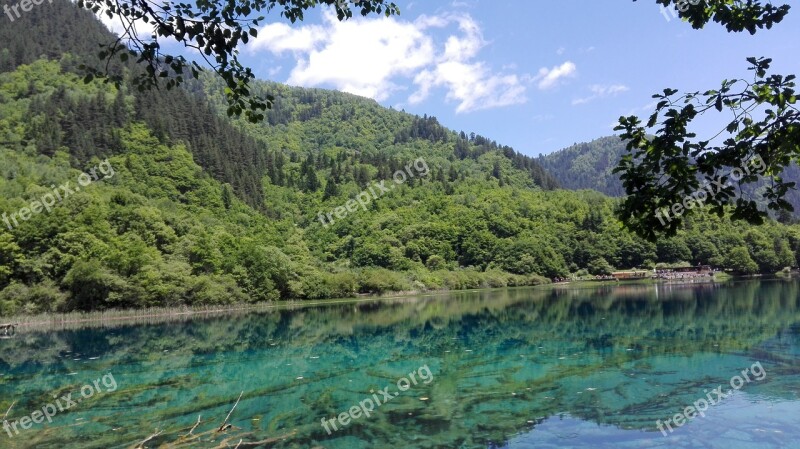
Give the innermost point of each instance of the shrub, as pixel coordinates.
(428, 280)
(496, 279)
(91, 286)
(436, 263)
(40, 298)
(314, 286)
(215, 290)
(380, 280)
(342, 285)
(599, 266)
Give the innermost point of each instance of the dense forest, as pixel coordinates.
(206, 210)
(589, 165)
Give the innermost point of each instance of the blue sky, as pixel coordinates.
(536, 75)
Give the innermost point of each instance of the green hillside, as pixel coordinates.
(587, 165)
(204, 210)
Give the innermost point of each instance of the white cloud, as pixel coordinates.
(600, 91)
(371, 56)
(550, 78)
(471, 83)
(274, 71)
(281, 37)
(458, 4)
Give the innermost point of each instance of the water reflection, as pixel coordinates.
(567, 367)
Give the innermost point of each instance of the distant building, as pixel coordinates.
(685, 272)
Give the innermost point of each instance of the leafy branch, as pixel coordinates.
(662, 170)
(734, 15)
(211, 28)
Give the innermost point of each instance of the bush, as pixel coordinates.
(461, 279)
(92, 286)
(215, 290)
(534, 280)
(266, 273)
(342, 285)
(427, 280)
(436, 263)
(599, 266)
(40, 298)
(313, 286)
(381, 280)
(496, 279)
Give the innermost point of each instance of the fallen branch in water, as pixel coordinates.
(195, 426)
(222, 427)
(225, 444)
(141, 445)
(8, 411)
(231, 436)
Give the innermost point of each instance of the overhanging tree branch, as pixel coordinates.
(214, 29)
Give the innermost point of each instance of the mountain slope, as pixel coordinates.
(63, 32)
(587, 165)
(308, 120)
(229, 155)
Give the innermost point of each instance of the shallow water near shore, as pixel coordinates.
(518, 368)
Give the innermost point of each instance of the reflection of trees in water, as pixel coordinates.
(644, 350)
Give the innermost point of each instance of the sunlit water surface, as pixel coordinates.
(519, 368)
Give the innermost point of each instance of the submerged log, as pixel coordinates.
(225, 436)
(8, 330)
(222, 427)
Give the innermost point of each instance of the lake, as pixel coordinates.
(568, 367)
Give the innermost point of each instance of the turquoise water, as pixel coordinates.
(519, 368)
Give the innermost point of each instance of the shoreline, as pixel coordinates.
(55, 320)
(64, 320)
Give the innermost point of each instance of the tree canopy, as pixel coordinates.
(674, 173)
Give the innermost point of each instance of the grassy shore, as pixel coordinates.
(163, 314)
(154, 315)
(158, 314)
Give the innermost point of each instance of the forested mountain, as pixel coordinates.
(587, 165)
(64, 33)
(201, 209)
